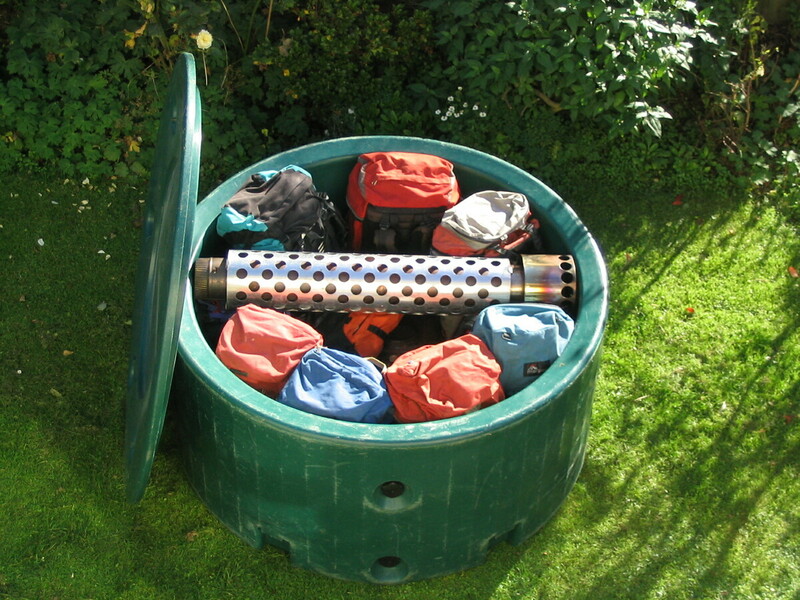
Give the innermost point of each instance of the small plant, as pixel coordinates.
(339, 69)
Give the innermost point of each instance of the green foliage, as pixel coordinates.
(752, 109)
(82, 83)
(340, 69)
(283, 73)
(68, 92)
(612, 62)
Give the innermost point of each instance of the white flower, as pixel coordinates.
(204, 39)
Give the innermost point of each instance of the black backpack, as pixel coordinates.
(283, 206)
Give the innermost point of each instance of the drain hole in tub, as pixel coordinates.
(389, 569)
(392, 489)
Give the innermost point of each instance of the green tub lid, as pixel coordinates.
(162, 273)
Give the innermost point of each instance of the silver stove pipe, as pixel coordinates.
(400, 283)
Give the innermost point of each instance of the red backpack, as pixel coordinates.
(397, 199)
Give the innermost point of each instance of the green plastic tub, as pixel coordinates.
(379, 503)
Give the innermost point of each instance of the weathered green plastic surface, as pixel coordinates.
(161, 277)
(392, 503)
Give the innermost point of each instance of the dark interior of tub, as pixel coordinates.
(331, 177)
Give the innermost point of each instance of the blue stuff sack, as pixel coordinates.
(524, 338)
(339, 385)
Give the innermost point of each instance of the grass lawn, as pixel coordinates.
(690, 487)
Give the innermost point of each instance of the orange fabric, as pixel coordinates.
(262, 346)
(447, 241)
(360, 330)
(444, 380)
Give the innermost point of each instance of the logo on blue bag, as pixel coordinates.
(534, 369)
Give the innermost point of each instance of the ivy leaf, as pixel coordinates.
(572, 22)
(112, 153)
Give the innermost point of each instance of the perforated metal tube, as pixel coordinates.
(382, 282)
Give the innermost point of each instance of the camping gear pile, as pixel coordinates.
(374, 317)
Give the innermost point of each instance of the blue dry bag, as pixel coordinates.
(524, 338)
(339, 385)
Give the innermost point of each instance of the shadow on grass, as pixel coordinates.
(695, 516)
(715, 449)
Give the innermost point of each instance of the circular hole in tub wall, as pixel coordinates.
(389, 569)
(392, 496)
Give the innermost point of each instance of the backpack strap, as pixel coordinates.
(394, 236)
(385, 238)
(516, 240)
(375, 330)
